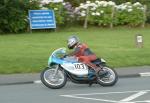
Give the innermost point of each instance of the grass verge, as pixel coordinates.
(24, 53)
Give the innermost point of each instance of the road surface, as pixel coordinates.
(127, 90)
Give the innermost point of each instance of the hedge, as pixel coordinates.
(14, 13)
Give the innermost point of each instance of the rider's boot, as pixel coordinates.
(90, 83)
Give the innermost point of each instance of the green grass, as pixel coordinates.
(23, 53)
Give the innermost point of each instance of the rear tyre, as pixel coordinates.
(109, 79)
(54, 82)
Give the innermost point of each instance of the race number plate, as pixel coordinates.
(80, 66)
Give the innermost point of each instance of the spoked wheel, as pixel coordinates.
(53, 80)
(109, 79)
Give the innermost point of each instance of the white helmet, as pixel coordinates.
(72, 42)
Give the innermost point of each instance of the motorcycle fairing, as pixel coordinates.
(72, 68)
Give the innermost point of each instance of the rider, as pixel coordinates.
(83, 53)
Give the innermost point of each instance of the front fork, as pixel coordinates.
(56, 71)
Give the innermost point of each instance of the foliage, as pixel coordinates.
(130, 14)
(14, 13)
(58, 9)
(13, 16)
(75, 3)
(144, 2)
(63, 11)
(104, 13)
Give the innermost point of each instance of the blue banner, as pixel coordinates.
(42, 19)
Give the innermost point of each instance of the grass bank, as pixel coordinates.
(23, 53)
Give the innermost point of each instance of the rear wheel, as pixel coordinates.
(109, 79)
(50, 80)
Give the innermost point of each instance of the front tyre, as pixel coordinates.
(51, 81)
(109, 79)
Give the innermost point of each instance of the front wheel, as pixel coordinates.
(109, 79)
(53, 81)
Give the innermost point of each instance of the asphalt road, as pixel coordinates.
(127, 90)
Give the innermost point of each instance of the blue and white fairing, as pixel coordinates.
(70, 64)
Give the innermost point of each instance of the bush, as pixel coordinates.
(63, 11)
(104, 13)
(14, 15)
(58, 8)
(144, 2)
(99, 12)
(129, 14)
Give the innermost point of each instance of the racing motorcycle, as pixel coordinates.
(61, 68)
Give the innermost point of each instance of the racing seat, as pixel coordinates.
(97, 61)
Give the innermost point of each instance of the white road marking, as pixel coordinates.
(134, 96)
(126, 100)
(145, 74)
(108, 93)
(37, 81)
(146, 101)
(86, 98)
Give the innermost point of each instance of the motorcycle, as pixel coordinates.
(61, 68)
